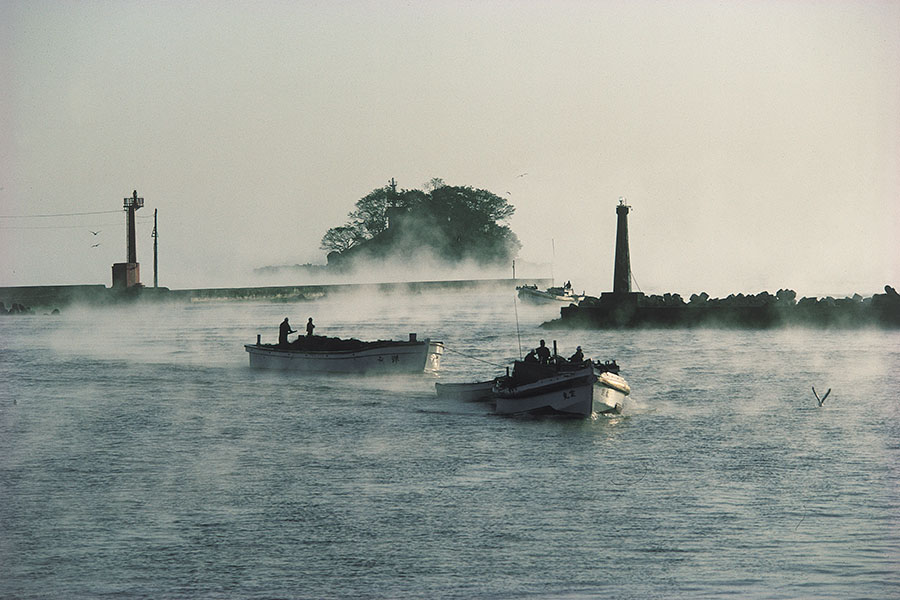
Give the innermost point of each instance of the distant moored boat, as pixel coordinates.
(551, 294)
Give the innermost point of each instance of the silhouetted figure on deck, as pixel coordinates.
(543, 353)
(578, 357)
(530, 357)
(283, 332)
(309, 328)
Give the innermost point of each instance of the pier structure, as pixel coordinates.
(128, 274)
(43, 297)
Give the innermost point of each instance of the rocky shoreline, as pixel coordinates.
(759, 311)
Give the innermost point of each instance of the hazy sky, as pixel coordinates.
(758, 142)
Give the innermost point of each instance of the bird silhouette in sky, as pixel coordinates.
(522, 175)
(94, 232)
(822, 399)
(95, 245)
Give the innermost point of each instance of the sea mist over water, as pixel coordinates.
(419, 267)
(141, 457)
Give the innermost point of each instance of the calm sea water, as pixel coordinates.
(140, 457)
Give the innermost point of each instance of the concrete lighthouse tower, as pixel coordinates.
(622, 273)
(128, 274)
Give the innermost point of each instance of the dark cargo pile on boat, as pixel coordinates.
(322, 343)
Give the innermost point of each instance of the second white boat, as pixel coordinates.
(332, 355)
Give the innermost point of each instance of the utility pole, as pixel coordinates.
(155, 243)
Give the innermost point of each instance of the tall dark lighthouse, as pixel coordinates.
(131, 205)
(622, 273)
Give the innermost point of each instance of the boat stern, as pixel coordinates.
(434, 352)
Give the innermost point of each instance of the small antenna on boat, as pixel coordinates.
(552, 260)
(518, 335)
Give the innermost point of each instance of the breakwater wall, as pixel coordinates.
(53, 296)
(313, 292)
(761, 311)
(59, 296)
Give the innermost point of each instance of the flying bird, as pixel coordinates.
(95, 245)
(94, 232)
(522, 175)
(822, 399)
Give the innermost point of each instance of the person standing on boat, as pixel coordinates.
(543, 353)
(578, 357)
(283, 332)
(309, 328)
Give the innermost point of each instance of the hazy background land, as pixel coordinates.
(758, 142)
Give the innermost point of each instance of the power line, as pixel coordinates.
(476, 358)
(105, 223)
(99, 212)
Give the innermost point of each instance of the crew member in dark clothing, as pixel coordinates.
(543, 353)
(309, 327)
(578, 357)
(283, 332)
(530, 357)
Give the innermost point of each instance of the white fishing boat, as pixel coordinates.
(321, 354)
(580, 389)
(552, 294)
(536, 388)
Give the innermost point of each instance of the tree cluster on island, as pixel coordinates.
(453, 224)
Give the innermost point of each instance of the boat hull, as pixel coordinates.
(467, 392)
(395, 357)
(565, 393)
